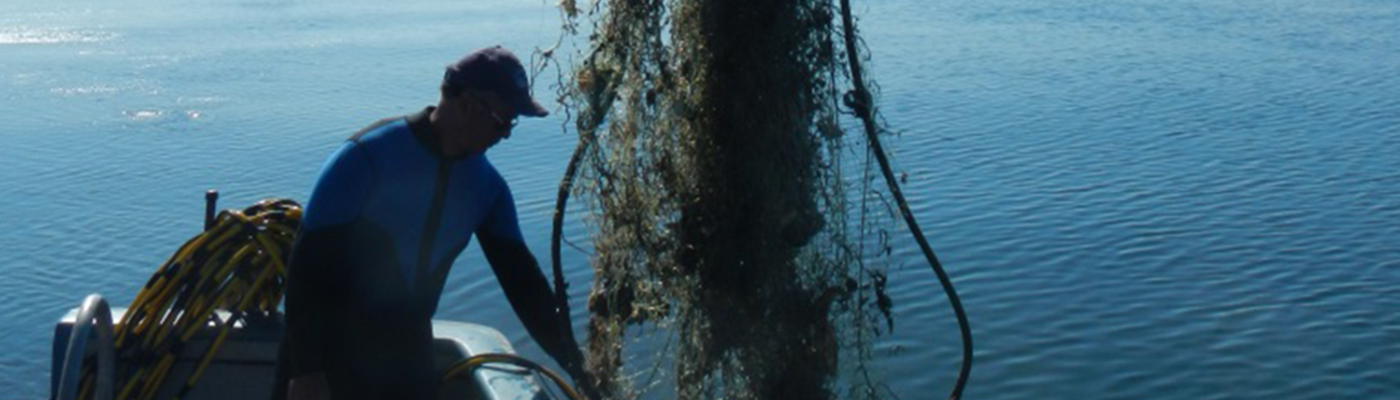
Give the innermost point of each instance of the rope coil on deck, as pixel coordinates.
(237, 266)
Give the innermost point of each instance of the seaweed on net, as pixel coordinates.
(711, 158)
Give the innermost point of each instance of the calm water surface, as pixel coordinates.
(1194, 199)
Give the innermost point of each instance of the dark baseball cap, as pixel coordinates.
(495, 69)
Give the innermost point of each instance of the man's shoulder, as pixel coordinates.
(378, 128)
(484, 172)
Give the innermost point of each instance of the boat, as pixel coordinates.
(207, 327)
(242, 368)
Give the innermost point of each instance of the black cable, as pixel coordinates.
(588, 123)
(859, 101)
(561, 286)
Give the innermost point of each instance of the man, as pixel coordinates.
(391, 211)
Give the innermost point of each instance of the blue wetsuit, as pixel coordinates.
(388, 216)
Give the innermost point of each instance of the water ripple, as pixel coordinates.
(17, 35)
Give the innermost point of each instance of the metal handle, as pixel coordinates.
(211, 201)
(94, 314)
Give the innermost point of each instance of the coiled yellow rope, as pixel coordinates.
(237, 266)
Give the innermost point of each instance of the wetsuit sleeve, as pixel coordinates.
(524, 285)
(312, 289)
(501, 221)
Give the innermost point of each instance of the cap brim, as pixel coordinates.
(528, 107)
(534, 110)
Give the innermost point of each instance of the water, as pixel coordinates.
(1138, 199)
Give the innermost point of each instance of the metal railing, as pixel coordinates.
(94, 314)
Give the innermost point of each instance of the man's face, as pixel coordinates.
(487, 120)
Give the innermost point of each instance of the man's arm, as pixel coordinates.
(310, 300)
(312, 292)
(531, 298)
(528, 291)
(529, 295)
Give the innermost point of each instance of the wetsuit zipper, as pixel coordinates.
(430, 227)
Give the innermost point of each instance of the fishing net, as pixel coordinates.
(727, 259)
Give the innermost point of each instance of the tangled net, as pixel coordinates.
(711, 158)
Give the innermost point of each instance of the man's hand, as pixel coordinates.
(309, 387)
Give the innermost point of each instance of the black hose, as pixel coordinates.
(561, 286)
(588, 124)
(859, 101)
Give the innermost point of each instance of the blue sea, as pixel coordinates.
(1137, 199)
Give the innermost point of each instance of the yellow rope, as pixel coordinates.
(237, 266)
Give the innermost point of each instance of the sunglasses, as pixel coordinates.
(502, 124)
